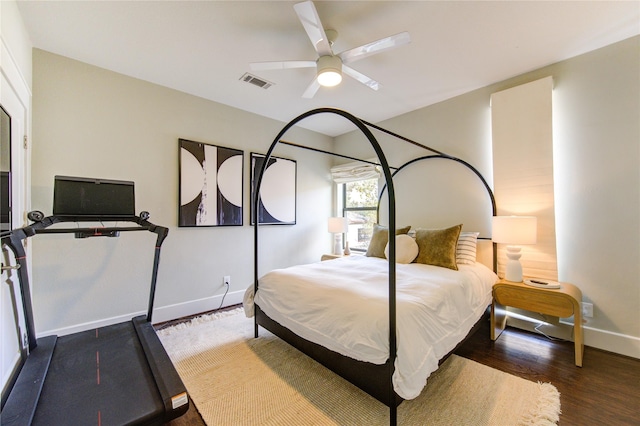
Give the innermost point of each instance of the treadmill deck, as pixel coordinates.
(99, 377)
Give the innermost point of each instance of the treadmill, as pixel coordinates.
(114, 375)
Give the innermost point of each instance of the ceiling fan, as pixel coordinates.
(330, 66)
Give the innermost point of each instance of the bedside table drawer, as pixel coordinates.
(541, 301)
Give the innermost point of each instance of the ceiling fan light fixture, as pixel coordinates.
(329, 78)
(329, 71)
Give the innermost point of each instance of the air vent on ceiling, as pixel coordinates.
(256, 81)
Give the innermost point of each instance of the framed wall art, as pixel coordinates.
(277, 204)
(211, 181)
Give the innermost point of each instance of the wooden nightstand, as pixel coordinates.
(562, 302)
(330, 256)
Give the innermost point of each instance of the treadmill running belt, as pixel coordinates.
(99, 377)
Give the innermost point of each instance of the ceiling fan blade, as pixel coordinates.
(312, 89)
(374, 47)
(370, 83)
(281, 65)
(308, 15)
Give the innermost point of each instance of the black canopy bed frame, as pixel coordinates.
(375, 379)
(118, 374)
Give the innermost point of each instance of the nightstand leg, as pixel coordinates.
(498, 319)
(578, 334)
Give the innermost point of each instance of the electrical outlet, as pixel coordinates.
(227, 280)
(587, 310)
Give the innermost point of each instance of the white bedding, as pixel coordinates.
(342, 304)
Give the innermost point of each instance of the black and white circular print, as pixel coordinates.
(277, 203)
(210, 185)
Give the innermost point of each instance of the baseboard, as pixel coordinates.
(185, 309)
(612, 342)
(600, 339)
(160, 313)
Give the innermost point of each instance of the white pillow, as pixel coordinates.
(466, 248)
(406, 249)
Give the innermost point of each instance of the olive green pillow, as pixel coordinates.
(380, 238)
(438, 246)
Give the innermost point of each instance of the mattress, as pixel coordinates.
(342, 304)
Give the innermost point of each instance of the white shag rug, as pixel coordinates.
(235, 379)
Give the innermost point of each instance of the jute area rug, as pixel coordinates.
(234, 379)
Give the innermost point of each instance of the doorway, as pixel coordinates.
(5, 170)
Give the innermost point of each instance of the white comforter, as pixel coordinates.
(342, 304)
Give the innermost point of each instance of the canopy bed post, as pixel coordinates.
(374, 377)
(333, 154)
(445, 157)
(391, 226)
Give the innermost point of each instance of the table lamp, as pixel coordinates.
(338, 226)
(514, 231)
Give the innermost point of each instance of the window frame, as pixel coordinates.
(342, 189)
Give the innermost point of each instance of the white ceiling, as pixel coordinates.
(203, 48)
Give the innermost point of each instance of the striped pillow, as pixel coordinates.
(466, 248)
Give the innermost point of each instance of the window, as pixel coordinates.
(360, 201)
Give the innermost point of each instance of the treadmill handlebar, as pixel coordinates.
(42, 227)
(13, 240)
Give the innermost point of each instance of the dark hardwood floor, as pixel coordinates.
(605, 391)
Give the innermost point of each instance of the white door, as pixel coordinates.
(15, 159)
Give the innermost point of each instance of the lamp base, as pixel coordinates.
(337, 244)
(513, 272)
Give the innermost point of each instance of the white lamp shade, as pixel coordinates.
(338, 225)
(515, 230)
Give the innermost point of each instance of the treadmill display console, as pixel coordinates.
(88, 197)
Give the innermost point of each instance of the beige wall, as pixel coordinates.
(596, 167)
(92, 122)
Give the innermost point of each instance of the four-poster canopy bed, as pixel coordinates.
(388, 356)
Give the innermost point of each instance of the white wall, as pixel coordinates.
(92, 122)
(596, 165)
(15, 38)
(597, 169)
